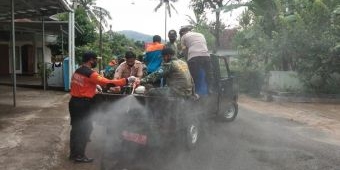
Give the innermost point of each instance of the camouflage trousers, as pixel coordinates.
(166, 92)
(161, 91)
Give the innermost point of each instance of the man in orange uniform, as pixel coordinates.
(83, 89)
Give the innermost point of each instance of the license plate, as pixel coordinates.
(134, 137)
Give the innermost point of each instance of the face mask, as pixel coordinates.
(94, 64)
(167, 58)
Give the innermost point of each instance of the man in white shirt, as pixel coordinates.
(130, 67)
(198, 58)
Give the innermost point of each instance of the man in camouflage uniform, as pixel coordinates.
(172, 35)
(179, 82)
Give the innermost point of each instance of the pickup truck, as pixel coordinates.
(147, 121)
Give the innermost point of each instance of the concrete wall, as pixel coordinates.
(285, 81)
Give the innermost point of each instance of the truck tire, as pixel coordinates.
(228, 112)
(191, 134)
(110, 150)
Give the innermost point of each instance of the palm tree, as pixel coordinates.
(167, 10)
(95, 13)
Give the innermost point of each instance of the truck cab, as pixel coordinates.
(227, 92)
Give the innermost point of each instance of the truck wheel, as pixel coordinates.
(109, 159)
(110, 151)
(192, 134)
(228, 112)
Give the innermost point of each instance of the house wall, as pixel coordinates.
(34, 40)
(48, 54)
(284, 81)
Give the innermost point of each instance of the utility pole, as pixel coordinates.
(100, 41)
(165, 15)
(14, 78)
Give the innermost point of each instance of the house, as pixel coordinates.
(28, 51)
(226, 48)
(28, 45)
(34, 30)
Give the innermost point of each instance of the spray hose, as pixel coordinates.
(133, 88)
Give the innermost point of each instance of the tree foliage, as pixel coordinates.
(300, 35)
(200, 7)
(113, 44)
(96, 14)
(88, 34)
(201, 25)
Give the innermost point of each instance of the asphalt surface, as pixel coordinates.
(32, 133)
(35, 135)
(252, 142)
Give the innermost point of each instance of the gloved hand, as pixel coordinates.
(99, 89)
(137, 82)
(131, 79)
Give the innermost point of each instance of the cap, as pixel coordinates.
(185, 29)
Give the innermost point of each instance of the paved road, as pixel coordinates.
(253, 141)
(32, 133)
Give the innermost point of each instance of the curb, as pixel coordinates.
(306, 99)
(300, 98)
(35, 86)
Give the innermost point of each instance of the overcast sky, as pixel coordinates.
(139, 15)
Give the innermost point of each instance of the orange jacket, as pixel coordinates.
(84, 81)
(155, 47)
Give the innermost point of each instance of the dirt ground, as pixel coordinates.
(35, 134)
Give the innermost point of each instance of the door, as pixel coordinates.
(27, 59)
(4, 64)
(226, 80)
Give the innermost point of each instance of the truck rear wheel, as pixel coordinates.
(228, 112)
(110, 151)
(192, 134)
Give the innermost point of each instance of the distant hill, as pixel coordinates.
(137, 36)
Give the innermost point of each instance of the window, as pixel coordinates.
(223, 67)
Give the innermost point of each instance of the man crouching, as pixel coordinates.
(179, 82)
